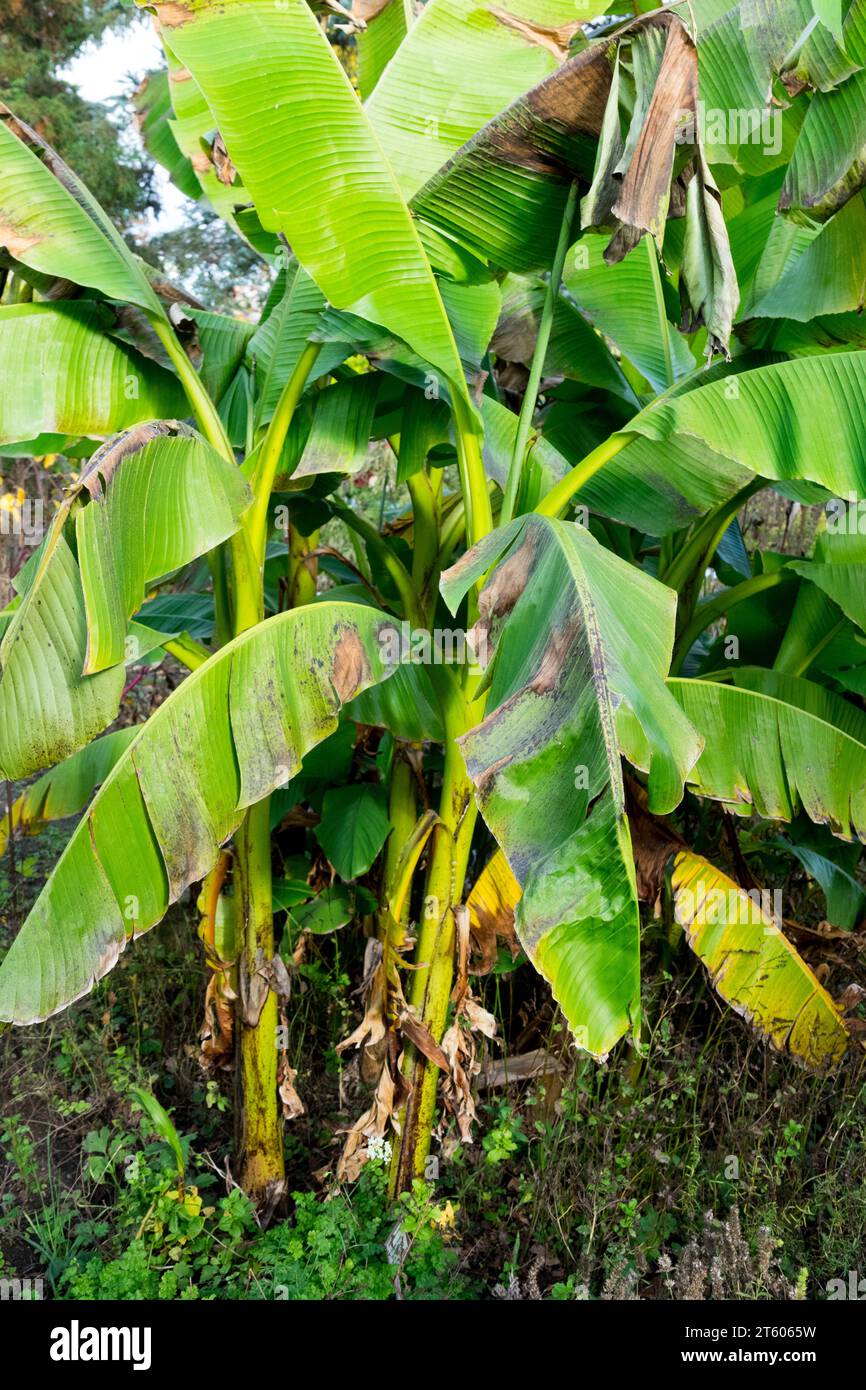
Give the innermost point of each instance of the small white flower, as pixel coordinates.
(378, 1149)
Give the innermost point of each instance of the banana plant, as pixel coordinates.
(575, 315)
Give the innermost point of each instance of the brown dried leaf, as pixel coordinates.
(643, 202)
(293, 1106)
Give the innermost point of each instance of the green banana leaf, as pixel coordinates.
(157, 497)
(776, 743)
(561, 612)
(51, 222)
(424, 109)
(386, 24)
(273, 84)
(623, 302)
(829, 162)
(236, 729)
(66, 789)
(154, 116)
(828, 276)
(60, 373)
(780, 421)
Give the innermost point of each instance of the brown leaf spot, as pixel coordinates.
(16, 243)
(351, 667)
(172, 15)
(509, 581)
(555, 39)
(555, 656)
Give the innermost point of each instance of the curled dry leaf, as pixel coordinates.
(458, 1044)
(390, 1095)
(373, 1027)
(225, 169)
(217, 1032)
(293, 1106)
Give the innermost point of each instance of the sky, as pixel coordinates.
(103, 71)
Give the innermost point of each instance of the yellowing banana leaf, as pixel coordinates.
(491, 903)
(61, 374)
(754, 967)
(159, 496)
(562, 613)
(236, 729)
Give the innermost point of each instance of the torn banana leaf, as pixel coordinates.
(576, 632)
(147, 503)
(777, 743)
(194, 127)
(154, 118)
(236, 729)
(60, 373)
(754, 967)
(66, 789)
